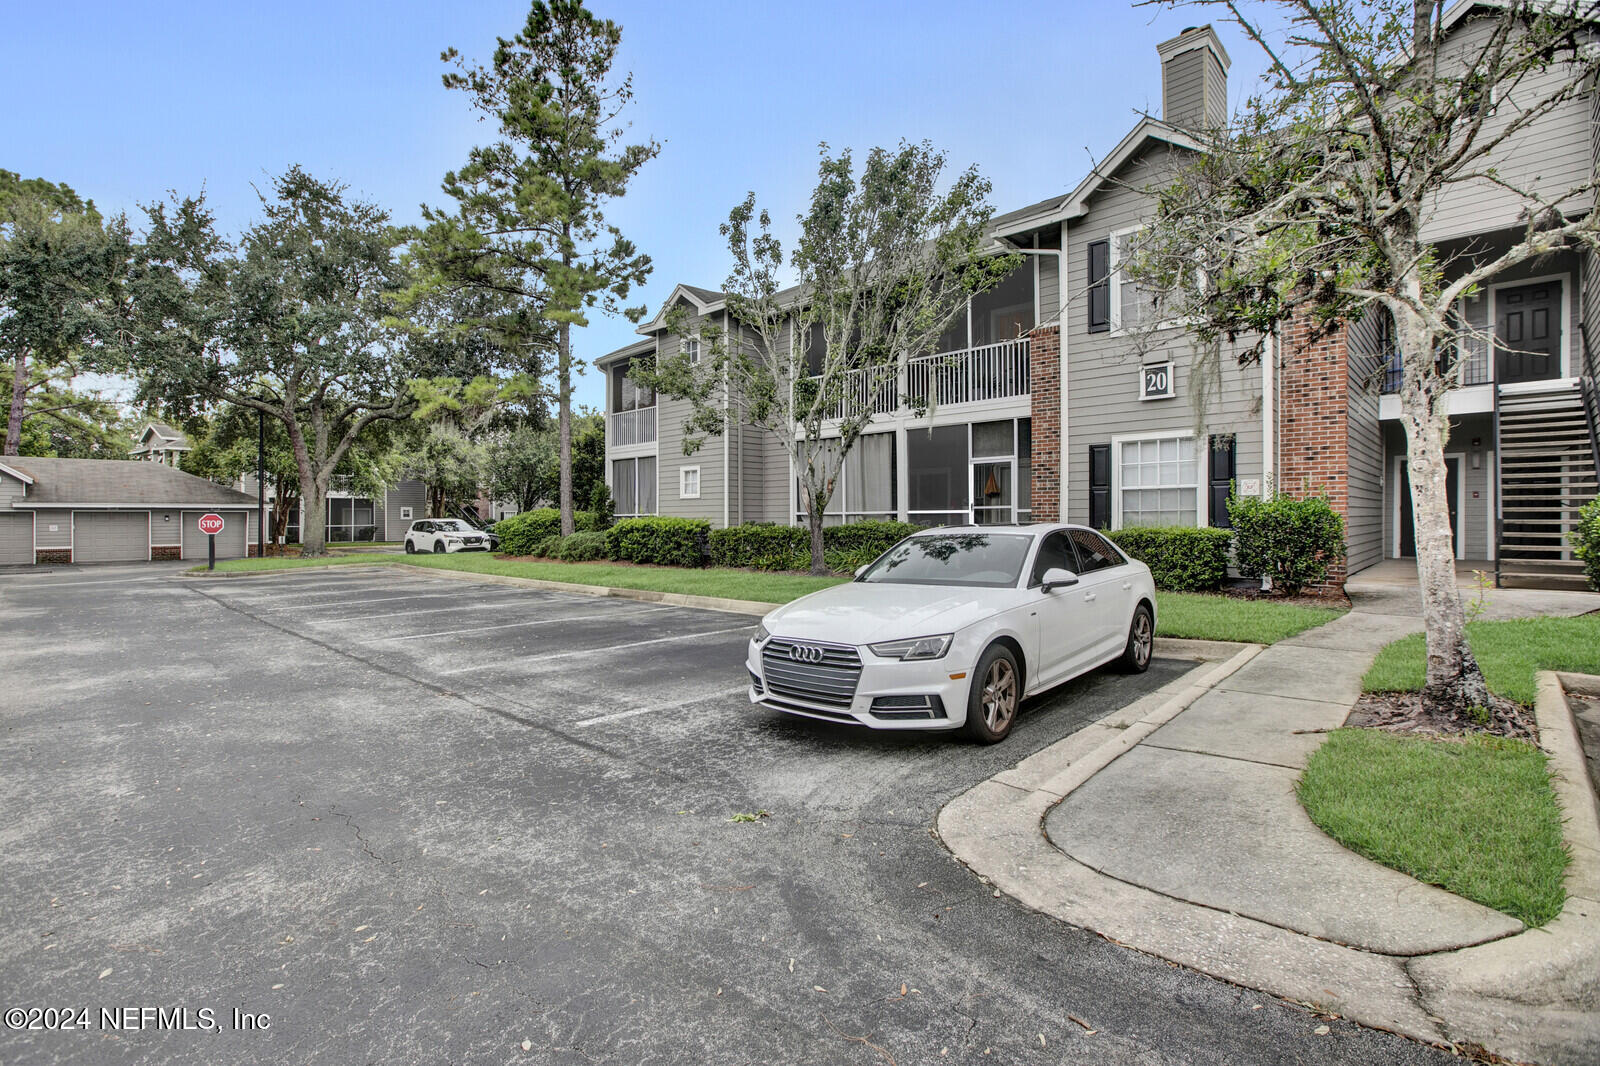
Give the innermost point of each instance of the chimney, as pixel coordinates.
(1194, 79)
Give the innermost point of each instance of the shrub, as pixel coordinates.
(583, 547)
(549, 547)
(1292, 541)
(522, 534)
(1586, 541)
(1180, 558)
(601, 506)
(857, 539)
(661, 541)
(758, 546)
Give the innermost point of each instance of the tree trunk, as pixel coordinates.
(314, 523)
(19, 394)
(564, 375)
(1454, 681)
(819, 562)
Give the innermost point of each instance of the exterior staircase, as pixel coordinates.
(1546, 449)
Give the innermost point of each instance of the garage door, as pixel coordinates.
(230, 542)
(110, 536)
(16, 539)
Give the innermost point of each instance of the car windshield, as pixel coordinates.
(987, 560)
(455, 525)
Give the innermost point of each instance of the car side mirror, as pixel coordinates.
(1058, 578)
(862, 569)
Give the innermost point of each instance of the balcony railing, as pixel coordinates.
(632, 427)
(971, 375)
(1478, 371)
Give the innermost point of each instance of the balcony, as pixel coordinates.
(971, 375)
(1478, 371)
(631, 427)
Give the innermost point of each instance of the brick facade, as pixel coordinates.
(1044, 376)
(53, 555)
(166, 551)
(1314, 422)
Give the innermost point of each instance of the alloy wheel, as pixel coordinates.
(999, 695)
(1143, 638)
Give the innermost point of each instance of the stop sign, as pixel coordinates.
(211, 523)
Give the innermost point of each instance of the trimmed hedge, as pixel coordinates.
(1180, 558)
(659, 541)
(524, 533)
(583, 548)
(758, 546)
(1586, 542)
(549, 547)
(1293, 541)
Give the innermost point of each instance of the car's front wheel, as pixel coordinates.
(1141, 641)
(438, 547)
(996, 691)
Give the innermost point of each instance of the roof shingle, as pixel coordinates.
(117, 482)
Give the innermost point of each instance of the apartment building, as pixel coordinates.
(1057, 400)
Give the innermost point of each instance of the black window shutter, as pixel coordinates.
(1223, 469)
(1100, 486)
(1099, 286)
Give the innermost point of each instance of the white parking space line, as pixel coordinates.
(674, 705)
(140, 579)
(347, 602)
(608, 648)
(347, 619)
(511, 625)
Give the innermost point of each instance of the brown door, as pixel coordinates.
(1527, 332)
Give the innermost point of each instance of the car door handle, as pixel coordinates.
(1126, 585)
(1088, 597)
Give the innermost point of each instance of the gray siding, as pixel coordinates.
(1364, 443)
(61, 535)
(166, 529)
(11, 491)
(16, 538)
(1103, 367)
(412, 494)
(1550, 156)
(1183, 86)
(670, 418)
(1477, 504)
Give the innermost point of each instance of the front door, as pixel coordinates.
(1408, 529)
(993, 491)
(1527, 332)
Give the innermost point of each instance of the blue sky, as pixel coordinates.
(126, 101)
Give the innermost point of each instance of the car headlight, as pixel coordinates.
(761, 634)
(914, 648)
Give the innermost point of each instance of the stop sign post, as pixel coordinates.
(211, 525)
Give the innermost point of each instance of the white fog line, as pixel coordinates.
(698, 698)
(509, 625)
(607, 648)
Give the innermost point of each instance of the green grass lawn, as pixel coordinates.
(1510, 653)
(729, 584)
(1475, 816)
(1180, 614)
(1203, 617)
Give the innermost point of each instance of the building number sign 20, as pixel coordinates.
(1155, 382)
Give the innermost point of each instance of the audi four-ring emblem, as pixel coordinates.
(805, 653)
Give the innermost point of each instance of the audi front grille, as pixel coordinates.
(811, 670)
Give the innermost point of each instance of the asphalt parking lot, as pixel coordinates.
(411, 819)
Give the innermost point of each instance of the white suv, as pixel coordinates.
(447, 535)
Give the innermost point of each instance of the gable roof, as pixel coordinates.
(704, 300)
(158, 436)
(19, 475)
(118, 483)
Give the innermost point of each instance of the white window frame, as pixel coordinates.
(683, 482)
(1202, 516)
(1114, 275)
(690, 346)
(405, 514)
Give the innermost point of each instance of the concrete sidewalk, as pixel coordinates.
(1173, 827)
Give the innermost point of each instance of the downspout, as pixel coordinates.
(1269, 435)
(726, 429)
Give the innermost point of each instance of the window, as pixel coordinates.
(689, 483)
(691, 348)
(1005, 312)
(633, 486)
(350, 519)
(866, 485)
(1054, 553)
(1094, 551)
(937, 467)
(405, 514)
(1158, 483)
(626, 395)
(1131, 304)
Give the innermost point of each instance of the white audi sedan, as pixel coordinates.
(953, 628)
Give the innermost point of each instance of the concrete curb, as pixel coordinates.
(1536, 996)
(675, 599)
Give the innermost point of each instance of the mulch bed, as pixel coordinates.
(1403, 712)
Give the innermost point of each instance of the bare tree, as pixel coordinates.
(1314, 203)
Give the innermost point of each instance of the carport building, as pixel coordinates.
(110, 511)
